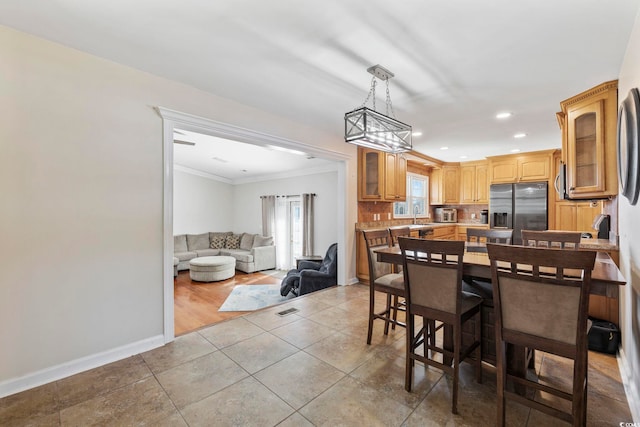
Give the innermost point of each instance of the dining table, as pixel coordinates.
(605, 276)
(605, 280)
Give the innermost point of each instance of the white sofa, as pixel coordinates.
(252, 252)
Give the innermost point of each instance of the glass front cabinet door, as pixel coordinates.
(589, 142)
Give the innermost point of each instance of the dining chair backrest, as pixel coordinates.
(541, 298)
(491, 235)
(433, 273)
(396, 232)
(552, 239)
(374, 240)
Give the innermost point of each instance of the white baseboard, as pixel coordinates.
(54, 373)
(631, 387)
(353, 281)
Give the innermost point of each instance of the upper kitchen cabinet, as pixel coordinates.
(588, 124)
(474, 182)
(381, 176)
(445, 189)
(395, 182)
(528, 167)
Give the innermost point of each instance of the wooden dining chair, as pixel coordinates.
(484, 235)
(541, 298)
(382, 279)
(395, 232)
(433, 291)
(552, 239)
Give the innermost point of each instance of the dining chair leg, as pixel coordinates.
(395, 312)
(456, 368)
(501, 372)
(477, 329)
(409, 361)
(372, 308)
(388, 313)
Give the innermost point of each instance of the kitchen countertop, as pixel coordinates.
(596, 244)
(429, 225)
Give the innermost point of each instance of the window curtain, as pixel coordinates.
(281, 234)
(268, 215)
(307, 224)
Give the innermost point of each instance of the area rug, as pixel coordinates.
(252, 297)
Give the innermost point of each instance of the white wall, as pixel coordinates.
(630, 247)
(201, 204)
(81, 222)
(248, 208)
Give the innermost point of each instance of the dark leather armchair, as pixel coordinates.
(311, 276)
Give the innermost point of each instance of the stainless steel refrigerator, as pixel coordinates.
(519, 207)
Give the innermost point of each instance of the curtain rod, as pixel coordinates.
(291, 195)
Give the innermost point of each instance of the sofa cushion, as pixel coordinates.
(207, 252)
(232, 242)
(198, 241)
(180, 243)
(185, 256)
(246, 241)
(262, 241)
(238, 254)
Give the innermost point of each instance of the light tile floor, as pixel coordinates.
(308, 368)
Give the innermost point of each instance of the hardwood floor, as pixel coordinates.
(196, 303)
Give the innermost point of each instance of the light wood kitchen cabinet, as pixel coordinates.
(577, 216)
(474, 183)
(395, 177)
(381, 176)
(444, 184)
(588, 124)
(529, 167)
(443, 233)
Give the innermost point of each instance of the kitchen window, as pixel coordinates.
(417, 203)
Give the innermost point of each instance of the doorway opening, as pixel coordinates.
(171, 121)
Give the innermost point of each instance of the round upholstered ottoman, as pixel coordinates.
(212, 268)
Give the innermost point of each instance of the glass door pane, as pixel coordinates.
(586, 150)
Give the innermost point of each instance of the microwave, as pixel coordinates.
(446, 215)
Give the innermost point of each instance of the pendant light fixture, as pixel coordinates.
(369, 128)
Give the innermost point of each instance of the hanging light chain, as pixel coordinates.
(372, 94)
(389, 104)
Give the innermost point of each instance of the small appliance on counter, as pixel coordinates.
(446, 215)
(602, 224)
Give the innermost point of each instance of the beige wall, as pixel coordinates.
(82, 196)
(630, 246)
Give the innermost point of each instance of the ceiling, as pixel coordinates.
(239, 162)
(456, 63)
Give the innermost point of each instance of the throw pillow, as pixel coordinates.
(233, 242)
(217, 242)
(246, 241)
(262, 241)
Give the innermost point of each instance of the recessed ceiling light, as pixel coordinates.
(503, 115)
(416, 133)
(463, 157)
(287, 150)
(515, 150)
(444, 148)
(520, 135)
